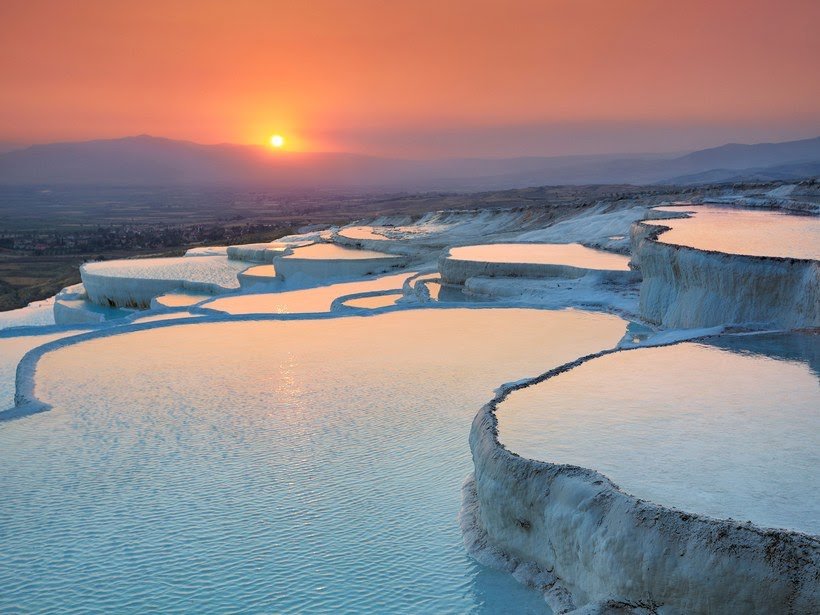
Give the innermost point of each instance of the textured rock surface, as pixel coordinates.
(605, 546)
(457, 271)
(686, 287)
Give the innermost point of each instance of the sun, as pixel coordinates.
(277, 141)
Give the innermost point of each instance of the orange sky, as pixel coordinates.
(413, 78)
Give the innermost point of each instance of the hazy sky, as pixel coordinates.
(416, 77)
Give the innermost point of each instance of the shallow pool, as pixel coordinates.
(729, 429)
(308, 300)
(361, 232)
(164, 316)
(12, 349)
(181, 299)
(332, 251)
(299, 466)
(743, 231)
(571, 254)
(261, 271)
(376, 301)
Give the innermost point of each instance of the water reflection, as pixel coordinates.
(264, 466)
(309, 300)
(798, 347)
(731, 426)
(374, 302)
(572, 254)
(332, 251)
(743, 231)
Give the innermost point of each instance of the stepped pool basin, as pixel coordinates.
(180, 299)
(332, 251)
(309, 300)
(267, 466)
(135, 282)
(373, 302)
(260, 274)
(728, 428)
(729, 266)
(361, 232)
(532, 260)
(326, 261)
(571, 254)
(743, 231)
(38, 313)
(12, 349)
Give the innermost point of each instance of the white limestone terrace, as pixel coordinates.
(602, 535)
(732, 230)
(330, 261)
(14, 346)
(35, 314)
(259, 274)
(797, 198)
(709, 282)
(531, 260)
(310, 300)
(591, 547)
(72, 307)
(371, 301)
(179, 299)
(134, 283)
(604, 225)
(711, 418)
(267, 252)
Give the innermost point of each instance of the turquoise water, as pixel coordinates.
(267, 467)
(728, 428)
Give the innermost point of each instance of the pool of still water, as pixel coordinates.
(374, 302)
(572, 254)
(309, 300)
(267, 466)
(12, 349)
(728, 429)
(181, 299)
(332, 251)
(743, 231)
(361, 232)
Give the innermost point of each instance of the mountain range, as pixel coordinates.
(152, 161)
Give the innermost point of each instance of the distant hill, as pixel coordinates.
(153, 161)
(786, 172)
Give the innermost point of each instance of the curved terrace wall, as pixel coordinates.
(334, 268)
(455, 271)
(121, 291)
(573, 534)
(687, 287)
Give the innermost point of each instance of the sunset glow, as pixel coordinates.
(414, 78)
(288, 291)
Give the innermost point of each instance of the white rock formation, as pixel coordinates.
(456, 270)
(340, 263)
(684, 287)
(134, 283)
(574, 535)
